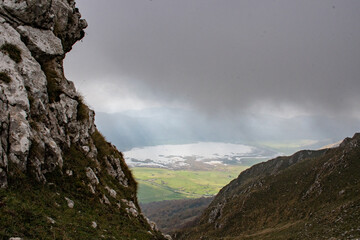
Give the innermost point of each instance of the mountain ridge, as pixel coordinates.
(311, 194)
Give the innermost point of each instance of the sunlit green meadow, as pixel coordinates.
(157, 184)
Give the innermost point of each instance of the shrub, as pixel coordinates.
(31, 100)
(82, 110)
(5, 77)
(53, 87)
(13, 51)
(104, 148)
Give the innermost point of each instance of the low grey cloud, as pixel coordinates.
(273, 59)
(231, 54)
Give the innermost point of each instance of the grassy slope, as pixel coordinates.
(162, 184)
(149, 193)
(26, 206)
(25, 210)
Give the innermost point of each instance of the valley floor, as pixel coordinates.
(157, 184)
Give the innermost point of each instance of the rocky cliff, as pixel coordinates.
(309, 195)
(59, 178)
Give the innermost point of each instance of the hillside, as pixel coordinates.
(309, 195)
(59, 177)
(173, 215)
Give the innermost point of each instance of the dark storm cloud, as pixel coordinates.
(225, 55)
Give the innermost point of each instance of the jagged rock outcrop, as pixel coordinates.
(39, 112)
(309, 195)
(47, 133)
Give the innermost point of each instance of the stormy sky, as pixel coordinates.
(280, 58)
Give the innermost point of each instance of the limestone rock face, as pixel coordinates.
(42, 43)
(47, 133)
(38, 105)
(32, 12)
(41, 114)
(59, 16)
(114, 169)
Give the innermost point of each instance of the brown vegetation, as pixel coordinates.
(5, 77)
(12, 51)
(175, 214)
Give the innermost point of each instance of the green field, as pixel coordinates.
(157, 184)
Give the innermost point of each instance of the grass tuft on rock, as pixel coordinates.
(82, 110)
(53, 88)
(12, 51)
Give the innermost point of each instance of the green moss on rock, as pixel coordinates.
(12, 51)
(5, 77)
(53, 88)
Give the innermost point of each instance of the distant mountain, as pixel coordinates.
(331, 145)
(309, 195)
(160, 126)
(152, 127)
(193, 156)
